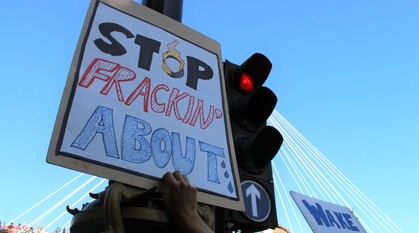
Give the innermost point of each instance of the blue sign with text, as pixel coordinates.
(325, 217)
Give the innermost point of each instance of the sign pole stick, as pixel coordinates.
(173, 9)
(170, 8)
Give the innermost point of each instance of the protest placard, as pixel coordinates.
(145, 95)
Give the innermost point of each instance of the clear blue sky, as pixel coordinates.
(346, 74)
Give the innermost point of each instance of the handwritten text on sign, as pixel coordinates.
(147, 102)
(326, 217)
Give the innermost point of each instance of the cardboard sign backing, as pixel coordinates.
(145, 95)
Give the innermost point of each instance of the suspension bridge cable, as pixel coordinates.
(353, 194)
(296, 150)
(289, 170)
(282, 201)
(307, 154)
(310, 152)
(289, 201)
(368, 202)
(296, 171)
(38, 219)
(366, 226)
(362, 203)
(283, 152)
(314, 152)
(297, 165)
(320, 163)
(372, 209)
(339, 179)
(46, 198)
(76, 202)
(67, 224)
(320, 179)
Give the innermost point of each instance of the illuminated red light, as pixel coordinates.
(246, 82)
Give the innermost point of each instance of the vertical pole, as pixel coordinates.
(170, 8)
(220, 221)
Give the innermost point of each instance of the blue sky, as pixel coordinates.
(346, 74)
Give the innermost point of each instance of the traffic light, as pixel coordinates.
(256, 144)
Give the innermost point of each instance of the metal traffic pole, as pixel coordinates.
(170, 8)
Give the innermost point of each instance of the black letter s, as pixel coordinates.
(114, 48)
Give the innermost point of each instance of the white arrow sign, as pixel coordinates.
(254, 193)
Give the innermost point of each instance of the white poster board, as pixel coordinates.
(326, 217)
(145, 95)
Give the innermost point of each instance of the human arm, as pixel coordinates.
(181, 201)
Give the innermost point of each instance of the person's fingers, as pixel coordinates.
(185, 177)
(168, 178)
(178, 175)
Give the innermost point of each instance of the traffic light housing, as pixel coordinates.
(250, 104)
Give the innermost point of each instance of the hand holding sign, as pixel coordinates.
(180, 199)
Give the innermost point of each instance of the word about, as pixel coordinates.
(136, 148)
